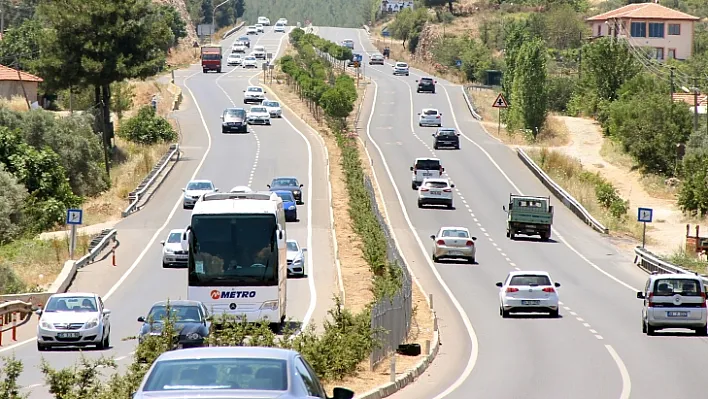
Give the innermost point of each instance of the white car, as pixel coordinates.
(528, 292)
(239, 47)
(273, 108)
(296, 259)
(241, 189)
(401, 68)
(454, 243)
(430, 117)
(348, 43)
(674, 301)
(435, 192)
(249, 62)
(253, 94)
(279, 28)
(263, 21)
(194, 190)
(283, 21)
(259, 28)
(258, 115)
(74, 319)
(425, 168)
(259, 52)
(172, 252)
(234, 59)
(251, 30)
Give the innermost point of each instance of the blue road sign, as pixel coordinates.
(74, 216)
(644, 215)
(386, 33)
(458, 63)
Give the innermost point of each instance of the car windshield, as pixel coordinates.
(274, 104)
(199, 185)
(235, 112)
(256, 89)
(673, 286)
(218, 373)
(437, 184)
(182, 314)
(427, 164)
(284, 183)
(286, 196)
(244, 39)
(530, 279)
(455, 233)
(292, 246)
(71, 304)
(174, 238)
(430, 112)
(258, 109)
(446, 133)
(251, 59)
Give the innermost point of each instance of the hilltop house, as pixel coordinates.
(17, 83)
(667, 31)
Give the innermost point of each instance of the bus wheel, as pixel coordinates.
(277, 327)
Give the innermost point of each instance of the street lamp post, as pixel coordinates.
(213, 16)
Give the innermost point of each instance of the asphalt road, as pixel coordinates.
(286, 148)
(595, 350)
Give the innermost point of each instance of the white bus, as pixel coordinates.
(238, 255)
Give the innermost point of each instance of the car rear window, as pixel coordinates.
(427, 164)
(437, 184)
(430, 112)
(455, 233)
(426, 80)
(447, 133)
(401, 65)
(258, 89)
(673, 286)
(530, 279)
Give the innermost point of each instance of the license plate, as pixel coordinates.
(677, 314)
(427, 174)
(530, 302)
(436, 192)
(68, 335)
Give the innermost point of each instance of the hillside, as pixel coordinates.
(181, 7)
(343, 13)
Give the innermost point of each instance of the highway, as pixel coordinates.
(287, 148)
(595, 350)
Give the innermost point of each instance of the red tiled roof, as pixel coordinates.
(7, 73)
(644, 11)
(689, 99)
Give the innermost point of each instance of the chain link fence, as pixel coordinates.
(390, 317)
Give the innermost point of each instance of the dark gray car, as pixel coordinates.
(287, 184)
(234, 120)
(190, 321)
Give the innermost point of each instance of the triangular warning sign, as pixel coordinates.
(500, 102)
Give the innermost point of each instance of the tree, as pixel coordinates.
(530, 106)
(239, 7)
(147, 128)
(336, 103)
(12, 198)
(438, 3)
(20, 45)
(174, 20)
(516, 36)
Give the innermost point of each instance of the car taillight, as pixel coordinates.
(424, 189)
(512, 289)
(703, 297)
(440, 242)
(447, 190)
(549, 290)
(437, 117)
(470, 243)
(649, 298)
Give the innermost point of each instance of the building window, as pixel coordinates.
(656, 29)
(638, 29)
(672, 53)
(674, 29)
(599, 30)
(659, 54)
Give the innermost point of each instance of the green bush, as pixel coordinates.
(147, 128)
(560, 90)
(10, 284)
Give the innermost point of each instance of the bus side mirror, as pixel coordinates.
(280, 234)
(185, 238)
(504, 208)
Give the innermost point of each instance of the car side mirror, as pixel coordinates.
(141, 319)
(418, 113)
(106, 311)
(182, 190)
(265, 92)
(458, 134)
(474, 238)
(304, 249)
(442, 169)
(411, 168)
(499, 284)
(433, 134)
(416, 80)
(452, 186)
(162, 243)
(342, 393)
(268, 185)
(432, 236)
(38, 312)
(216, 190)
(244, 91)
(557, 284)
(222, 117)
(435, 81)
(640, 295)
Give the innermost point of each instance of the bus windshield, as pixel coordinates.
(233, 249)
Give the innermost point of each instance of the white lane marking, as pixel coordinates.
(626, 382)
(599, 337)
(586, 325)
(593, 331)
(580, 319)
(573, 314)
(474, 353)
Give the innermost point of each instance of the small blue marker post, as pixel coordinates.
(74, 217)
(644, 215)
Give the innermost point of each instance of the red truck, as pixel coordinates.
(211, 58)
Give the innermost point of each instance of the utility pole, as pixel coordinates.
(671, 89)
(580, 58)
(695, 104)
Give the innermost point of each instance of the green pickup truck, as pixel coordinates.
(529, 216)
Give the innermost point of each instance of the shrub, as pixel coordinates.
(9, 374)
(147, 128)
(10, 284)
(693, 197)
(560, 90)
(12, 199)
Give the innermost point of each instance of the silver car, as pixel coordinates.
(674, 301)
(234, 373)
(194, 190)
(172, 252)
(273, 108)
(296, 259)
(454, 243)
(74, 319)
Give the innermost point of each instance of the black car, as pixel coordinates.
(234, 120)
(446, 137)
(287, 184)
(245, 40)
(190, 318)
(427, 85)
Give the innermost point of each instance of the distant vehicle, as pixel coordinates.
(249, 62)
(283, 21)
(454, 243)
(239, 47)
(289, 204)
(435, 192)
(234, 372)
(287, 183)
(376, 59)
(263, 21)
(234, 120)
(279, 28)
(386, 52)
(296, 259)
(253, 94)
(400, 68)
(355, 61)
(211, 58)
(190, 322)
(425, 168)
(258, 115)
(429, 117)
(674, 301)
(446, 137)
(251, 30)
(241, 189)
(259, 52)
(172, 252)
(194, 190)
(245, 40)
(273, 108)
(426, 85)
(259, 28)
(529, 216)
(348, 43)
(234, 59)
(528, 292)
(74, 319)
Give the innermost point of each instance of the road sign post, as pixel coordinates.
(500, 103)
(74, 217)
(644, 216)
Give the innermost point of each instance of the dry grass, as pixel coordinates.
(183, 55)
(568, 172)
(16, 103)
(145, 90)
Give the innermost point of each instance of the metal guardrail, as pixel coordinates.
(567, 199)
(232, 31)
(651, 263)
(135, 196)
(470, 106)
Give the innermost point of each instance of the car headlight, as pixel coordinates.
(169, 251)
(296, 192)
(269, 305)
(193, 336)
(292, 208)
(46, 325)
(297, 261)
(91, 323)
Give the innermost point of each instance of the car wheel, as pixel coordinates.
(435, 258)
(42, 347)
(507, 234)
(420, 204)
(420, 124)
(449, 206)
(414, 186)
(504, 313)
(433, 92)
(457, 147)
(165, 265)
(545, 236)
(218, 70)
(555, 313)
(651, 330)
(435, 146)
(268, 123)
(512, 235)
(473, 260)
(644, 327)
(101, 345)
(223, 130)
(703, 331)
